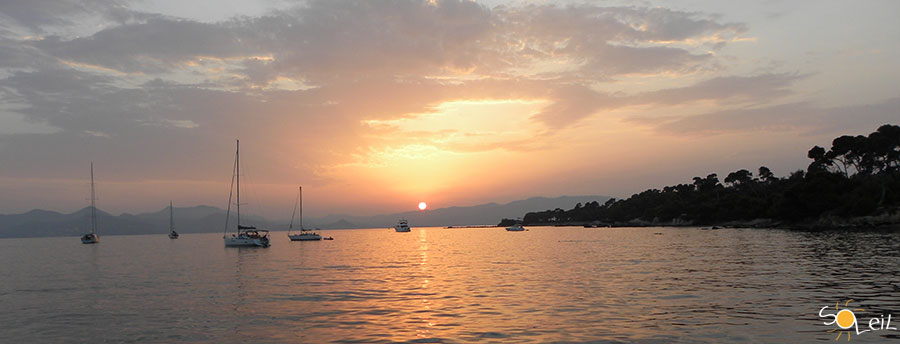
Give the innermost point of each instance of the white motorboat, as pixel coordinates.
(246, 235)
(172, 233)
(304, 234)
(402, 226)
(515, 228)
(92, 237)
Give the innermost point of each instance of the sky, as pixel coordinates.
(374, 106)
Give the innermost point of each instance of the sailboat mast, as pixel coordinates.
(300, 204)
(293, 214)
(237, 162)
(171, 220)
(93, 204)
(230, 193)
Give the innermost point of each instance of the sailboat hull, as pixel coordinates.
(173, 235)
(304, 237)
(246, 242)
(90, 239)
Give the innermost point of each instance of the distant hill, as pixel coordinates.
(482, 214)
(206, 219)
(339, 224)
(43, 223)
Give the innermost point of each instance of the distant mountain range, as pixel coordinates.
(205, 219)
(482, 214)
(44, 223)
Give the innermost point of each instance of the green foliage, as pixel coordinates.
(507, 223)
(857, 176)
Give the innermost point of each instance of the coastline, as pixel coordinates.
(887, 222)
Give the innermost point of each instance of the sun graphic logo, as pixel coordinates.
(845, 320)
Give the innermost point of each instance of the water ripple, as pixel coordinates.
(565, 285)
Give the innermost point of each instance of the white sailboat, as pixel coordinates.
(305, 234)
(246, 235)
(172, 233)
(402, 226)
(92, 237)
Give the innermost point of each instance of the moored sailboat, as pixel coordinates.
(92, 237)
(246, 235)
(172, 233)
(305, 234)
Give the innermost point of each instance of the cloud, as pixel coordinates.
(573, 103)
(156, 46)
(351, 39)
(800, 117)
(325, 40)
(299, 86)
(318, 40)
(662, 24)
(762, 87)
(17, 56)
(609, 41)
(95, 133)
(36, 15)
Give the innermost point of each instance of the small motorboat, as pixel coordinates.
(515, 228)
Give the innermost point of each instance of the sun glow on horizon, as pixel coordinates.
(433, 152)
(423, 205)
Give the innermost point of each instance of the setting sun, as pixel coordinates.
(422, 205)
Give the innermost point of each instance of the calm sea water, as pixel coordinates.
(450, 285)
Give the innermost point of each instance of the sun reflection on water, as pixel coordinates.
(447, 285)
(424, 317)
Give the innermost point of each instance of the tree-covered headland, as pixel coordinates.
(854, 183)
